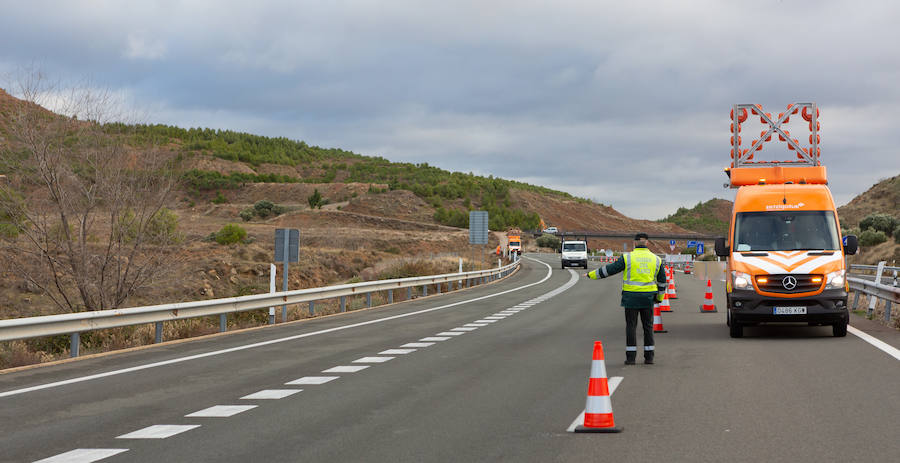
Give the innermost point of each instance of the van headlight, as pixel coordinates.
(741, 280)
(835, 280)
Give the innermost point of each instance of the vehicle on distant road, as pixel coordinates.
(552, 230)
(574, 253)
(514, 240)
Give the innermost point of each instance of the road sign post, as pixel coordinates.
(287, 249)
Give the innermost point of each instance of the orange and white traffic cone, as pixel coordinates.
(598, 414)
(670, 290)
(657, 320)
(664, 306)
(708, 305)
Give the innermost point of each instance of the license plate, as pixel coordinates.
(789, 310)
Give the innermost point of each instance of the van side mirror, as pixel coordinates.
(721, 249)
(851, 244)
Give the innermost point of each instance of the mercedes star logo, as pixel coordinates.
(789, 282)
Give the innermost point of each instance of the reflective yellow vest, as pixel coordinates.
(641, 267)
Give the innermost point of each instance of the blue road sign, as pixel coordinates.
(671, 242)
(845, 241)
(692, 244)
(699, 248)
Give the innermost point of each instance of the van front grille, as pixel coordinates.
(798, 283)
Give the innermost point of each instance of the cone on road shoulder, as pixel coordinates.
(598, 414)
(670, 290)
(708, 305)
(657, 320)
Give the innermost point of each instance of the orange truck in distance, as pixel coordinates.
(785, 256)
(514, 240)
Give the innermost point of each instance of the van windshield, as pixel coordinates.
(785, 231)
(574, 247)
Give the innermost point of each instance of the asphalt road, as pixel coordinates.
(506, 390)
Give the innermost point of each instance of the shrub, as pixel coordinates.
(247, 214)
(871, 237)
(879, 222)
(315, 199)
(220, 198)
(897, 234)
(162, 228)
(548, 241)
(231, 233)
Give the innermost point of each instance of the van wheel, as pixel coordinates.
(728, 317)
(736, 330)
(839, 330)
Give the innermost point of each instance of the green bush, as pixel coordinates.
(897, 234)
(247, 214)
(315, 199)
(548, 241)
(220, 198)
(879, 222)
(266, 208)
(231, 233)
(871, 237)
(162, 228)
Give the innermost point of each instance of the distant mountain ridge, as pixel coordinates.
(712, 217)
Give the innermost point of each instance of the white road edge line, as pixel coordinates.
(613, 384)
(271, 341)
(878, 343)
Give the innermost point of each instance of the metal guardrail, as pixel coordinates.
(75, 323)
(875, 289)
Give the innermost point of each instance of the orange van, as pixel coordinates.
(785, 256)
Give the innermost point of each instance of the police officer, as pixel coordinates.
(644, 283)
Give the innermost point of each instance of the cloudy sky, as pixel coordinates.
(623, 102)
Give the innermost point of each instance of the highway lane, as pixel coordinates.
(504, 391)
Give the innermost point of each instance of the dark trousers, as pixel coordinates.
(631, 318)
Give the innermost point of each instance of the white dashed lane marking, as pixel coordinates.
(373, 359)
(271, 394)
(312, 380)
(435, 338)
(396, 352)
(451, 333)
(159, 431)
(346, 369)
(418, 344)
(465, 328)
(485, 321)
(82, 456)
(220, 411)
(476, 325)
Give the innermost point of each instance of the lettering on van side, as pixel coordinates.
(775, 207)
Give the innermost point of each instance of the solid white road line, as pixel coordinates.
(82, 456)
(373, 359)
(220, 411)
(346, 369)
(418, 344)
(889, 349)
(271, 394)
(435, 338)
(271, 341)
(613, 384)
(312, 380)
(396, 351)
(159, 431)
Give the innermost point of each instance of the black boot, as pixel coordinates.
(648, 358)
(629, 357)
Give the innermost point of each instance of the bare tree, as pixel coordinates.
(86, 205)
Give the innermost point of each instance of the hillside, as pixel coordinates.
(711, 217)
(883, 197)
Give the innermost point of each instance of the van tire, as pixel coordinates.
(736, 330)
(839, 330)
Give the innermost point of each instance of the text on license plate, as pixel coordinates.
(789, 310)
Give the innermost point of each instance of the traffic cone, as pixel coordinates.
(598, 413)
(657, 320)
(664, 306)
(708, 305)
(670, 290)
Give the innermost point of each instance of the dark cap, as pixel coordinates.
(641, 236)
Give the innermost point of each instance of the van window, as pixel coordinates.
(574, 247)
(785, 231)
(514, 243)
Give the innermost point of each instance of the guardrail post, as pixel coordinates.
(873, 300)
(424, 290)
(272, 290)
(312, 308)
(368, 299)
(887, 305)
(74, 344)
(223, 323)
(856, 300)
(437, 288)
(409, 293)
(390, 296)
(159, 329)
(343, 303)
